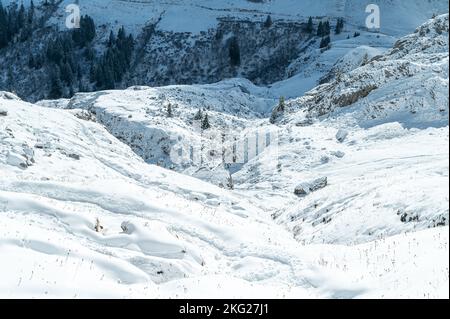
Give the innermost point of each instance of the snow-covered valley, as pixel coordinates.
(88, 218)
(127, 193)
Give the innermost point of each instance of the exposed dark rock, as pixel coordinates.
(74, 156)
(353, 97)
(311, 186)
(341, 135)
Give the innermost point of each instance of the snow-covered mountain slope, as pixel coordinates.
(195, 16)
(188, 42)
(139, 117)
(408, 84)
(379, 134)
(381, 181)
(388, 130)
(61, 177)
(83, 216)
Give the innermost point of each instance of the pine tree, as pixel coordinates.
(230, 182)
(268, 23)
(320, 29)
(326, 28)
(31, 13)
(280, 108)
(273, 116)
(339, 26)
(325, 42)
(86, 33)
(55, 85)
(112, 39)
(21, 18)
(169, 110)
(281, 104)
(310, 25)
(235, 53)
(115, 61)
(198, 116)
(205, 123)
(3, 27)
(66, 73)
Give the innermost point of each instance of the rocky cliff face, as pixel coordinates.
(248, 47)
(262, 53)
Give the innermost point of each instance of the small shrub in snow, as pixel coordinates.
(205, 123)
(169, 110)
(230, 182)
(198, 116)
(98, 227)
(280, 108)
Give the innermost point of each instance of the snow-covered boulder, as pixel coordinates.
(16, 160)
(341, 135)
(338, 154)
(311, 186)
(8, 96)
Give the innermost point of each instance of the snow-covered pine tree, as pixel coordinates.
(169, 110)
(280, 108)
(310, 25)
(199, 115)
(325, 42)
(268, 23)
(230, 182)
(205, 123)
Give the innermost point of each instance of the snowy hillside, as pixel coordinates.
(408, 84)
(389, 115)
(78, 207)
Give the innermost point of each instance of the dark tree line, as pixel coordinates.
(339, 26)
(325, 42)
(111, 67)
(65, 68)
(16, 23)
(86, 33)
(310, 26)
(323, 29)
(68, 55)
